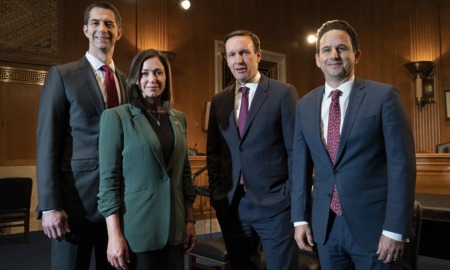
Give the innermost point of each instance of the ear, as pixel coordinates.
(317, 60)
(357, 56)
(259, 55)
(119, 33)
(85, 30)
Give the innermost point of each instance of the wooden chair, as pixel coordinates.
(15, 198)
(212, 250)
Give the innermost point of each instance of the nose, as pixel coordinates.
(239, 58)
(151, 77)
(335, 53)
(103, 26)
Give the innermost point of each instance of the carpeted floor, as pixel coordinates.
(15, 254)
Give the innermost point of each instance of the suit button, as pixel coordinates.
(329, 195)
(335, 172)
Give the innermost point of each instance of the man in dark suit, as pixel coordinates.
(71, 102)
(249, 164)
(360, 145)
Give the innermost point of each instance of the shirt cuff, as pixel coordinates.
(298, 223)
(394, 236)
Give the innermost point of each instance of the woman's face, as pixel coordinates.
(153, 78)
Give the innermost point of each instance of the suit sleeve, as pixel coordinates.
(302, 173)
(110, 155)
(401, 163)
(213, 150)
(188, 185)
(50, 135)
(288, 121)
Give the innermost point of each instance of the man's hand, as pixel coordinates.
(303, 237)
(55, 224)
(190, 239)
(389, 250)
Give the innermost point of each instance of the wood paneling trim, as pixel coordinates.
(433, 173)
(20, 75)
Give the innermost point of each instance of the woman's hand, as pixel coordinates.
(190, 239)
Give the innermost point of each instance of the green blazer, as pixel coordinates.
(135, 180)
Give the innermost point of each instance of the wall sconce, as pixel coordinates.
(185, 4)
(422, 74)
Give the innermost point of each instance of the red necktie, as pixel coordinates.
(333, 136)
(243, 111)
(112, 99)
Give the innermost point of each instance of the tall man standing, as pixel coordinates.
(356, 136)
(72, 99)
(249, 157)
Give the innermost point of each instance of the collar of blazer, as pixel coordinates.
(90, 84)
(258, 100)
(354, 104)
(141, 123)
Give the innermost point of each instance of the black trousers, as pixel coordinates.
(75, 252)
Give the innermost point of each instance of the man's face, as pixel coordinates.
(336, 57)
(102, 30)
(242, 58)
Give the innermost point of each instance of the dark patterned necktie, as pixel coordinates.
(333, 136)
(243, 111)
(112, 98)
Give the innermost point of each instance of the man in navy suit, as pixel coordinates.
(370, 174)
(71, 102)
(249, 166)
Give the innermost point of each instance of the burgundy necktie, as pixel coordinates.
(112, 99)
(333, 136)
(243, 111)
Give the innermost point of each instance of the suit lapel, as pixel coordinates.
(91, 85)
(258, 100)
(356, 97)
(228, 106)
(317, 121)
(146, 129)
(120, 76)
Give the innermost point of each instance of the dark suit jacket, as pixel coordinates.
(135, 179)
(263, 155)
(70, 106)
(375, 171)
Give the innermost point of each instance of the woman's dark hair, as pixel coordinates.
(133, 89)
(105, 5)
(338, 25)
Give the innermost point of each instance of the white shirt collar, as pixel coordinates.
(346, 88)
(97, 64)
(251, 84)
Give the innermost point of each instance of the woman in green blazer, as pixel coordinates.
(146, 190)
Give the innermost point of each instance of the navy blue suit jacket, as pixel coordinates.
(263, 155)
(375, 171)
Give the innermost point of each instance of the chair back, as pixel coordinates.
(443, 148)
(15, 193)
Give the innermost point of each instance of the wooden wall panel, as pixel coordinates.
(282, 28)
(444, 75)
(433, 174)
(425, 47)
